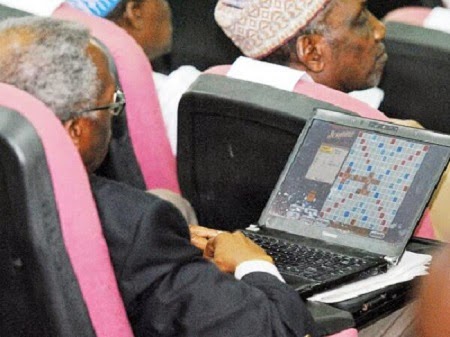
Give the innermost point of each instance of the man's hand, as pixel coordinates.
(228, 250)
(406, 122)
(200, 235)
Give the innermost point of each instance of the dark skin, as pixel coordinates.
(350, 54)
(150, 24)
(434, 300)
(91, 136)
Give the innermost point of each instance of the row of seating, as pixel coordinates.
(56, 263)
(417, 58)
(269, 118)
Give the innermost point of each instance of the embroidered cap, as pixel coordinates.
(258, 27)
(95, 7)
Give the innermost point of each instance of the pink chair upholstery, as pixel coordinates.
(344, 101)
(414, 16)
(144, 118)
(346, 333)
(80, 225)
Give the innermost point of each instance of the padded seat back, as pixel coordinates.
(409, 15)
(191, 20)
(7, 12)
(234, 138)
(57, 278)
(415, 80)
(144, 124)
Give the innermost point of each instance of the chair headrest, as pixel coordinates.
(80, 224)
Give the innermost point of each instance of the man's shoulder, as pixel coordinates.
(104, 188)
(120, 203)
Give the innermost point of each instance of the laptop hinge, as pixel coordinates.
(392, 260)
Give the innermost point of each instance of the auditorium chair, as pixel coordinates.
(57, 279)
(197, 39)
(140, 153)
(415, 79)
(234, 138)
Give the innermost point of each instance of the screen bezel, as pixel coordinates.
(381, 127)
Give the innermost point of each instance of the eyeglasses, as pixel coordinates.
(114, 109)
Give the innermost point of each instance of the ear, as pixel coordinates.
(74, 130)
(133, 15)
(310, 52)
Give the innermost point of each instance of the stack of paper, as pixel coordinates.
(410, 266)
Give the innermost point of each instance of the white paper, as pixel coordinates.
(36, 7)
(438, 19)
(410, 266)
(277, 76)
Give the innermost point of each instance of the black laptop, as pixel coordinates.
(349, 199)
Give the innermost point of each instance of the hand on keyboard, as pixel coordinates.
(228, 250)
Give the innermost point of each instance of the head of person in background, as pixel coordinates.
(59, 63)
(339, 43)
(149, 22)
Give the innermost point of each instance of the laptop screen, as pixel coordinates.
(357, 185)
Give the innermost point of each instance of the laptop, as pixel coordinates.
(349, 199)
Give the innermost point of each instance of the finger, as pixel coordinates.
(199, 242)
(204, 231)
(208, 252)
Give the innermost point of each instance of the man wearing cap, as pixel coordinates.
(337, 43)
(334, 43)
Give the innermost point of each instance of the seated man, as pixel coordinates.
(167, 287)
(166, 180)
(338, 43)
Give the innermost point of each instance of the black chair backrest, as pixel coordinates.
(39, 294)
(8, 12)
(197, 39)
(381, 7)
(234, 138)
(120, 163)
(416, 79)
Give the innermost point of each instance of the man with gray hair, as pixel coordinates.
(168, 287)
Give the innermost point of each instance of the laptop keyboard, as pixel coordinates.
(307, 262)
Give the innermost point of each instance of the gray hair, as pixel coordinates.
(48, 59)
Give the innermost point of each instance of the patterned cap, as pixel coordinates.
(258, 27)
(95, 7)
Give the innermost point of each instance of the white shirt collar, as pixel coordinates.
(277, 76)
(36, 7)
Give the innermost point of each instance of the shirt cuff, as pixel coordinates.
(253, 266)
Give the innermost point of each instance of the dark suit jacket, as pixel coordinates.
(170, 290)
